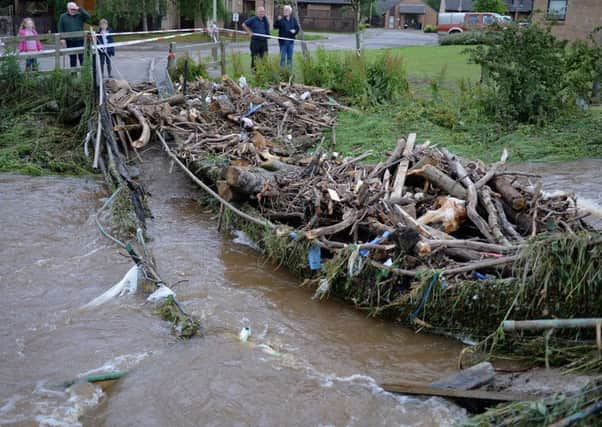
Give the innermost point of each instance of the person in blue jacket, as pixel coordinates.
(103, 38)
(288, 27)
(258, 27)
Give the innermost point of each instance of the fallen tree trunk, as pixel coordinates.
(510, 194)
(247, 181)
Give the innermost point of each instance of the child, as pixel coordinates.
(28, 28)
(104, 37)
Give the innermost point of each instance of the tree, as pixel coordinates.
(201, 9)
(130, 13)
(496, 6)
(434, 4)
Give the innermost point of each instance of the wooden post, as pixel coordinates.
(57, 52)
(222, 50)
(171, 56)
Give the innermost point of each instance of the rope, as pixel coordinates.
(262, 222)
(425, 295)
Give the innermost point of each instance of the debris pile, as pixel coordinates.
(421, 207)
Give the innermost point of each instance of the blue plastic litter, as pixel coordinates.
(252, 109)
(315, 257)
(478, 276)
(293, 235)
(425, 296)
(375, 241)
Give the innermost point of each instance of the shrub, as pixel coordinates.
(268, 71)
(353, 77)
(468, 38)
(195, 69)
(532, 77)
(237, 68)
(387, 78)
(430, 29)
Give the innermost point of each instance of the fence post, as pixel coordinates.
(171, 56)
(57, 52)
(222, 50)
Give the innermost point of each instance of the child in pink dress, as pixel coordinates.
(28, 28)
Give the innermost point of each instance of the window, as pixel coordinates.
(488, 19)
(557, 9)
(473, 19)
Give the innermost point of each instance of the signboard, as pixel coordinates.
(235, 17)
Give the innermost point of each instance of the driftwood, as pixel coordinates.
(145, 135)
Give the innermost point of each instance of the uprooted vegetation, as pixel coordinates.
(44, 120)
(424, 236)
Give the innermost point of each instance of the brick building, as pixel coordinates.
(572, 19)
(412, 14)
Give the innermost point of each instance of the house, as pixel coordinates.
(410, 14)
(572, 19)
(325, 15)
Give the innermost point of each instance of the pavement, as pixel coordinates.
(132, 63)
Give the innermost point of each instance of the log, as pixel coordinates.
(348, 220)
(508, 228)
(274, 165)
(402, 168)
(146, 131)
(471, 196)
(441, 180)
(492, 170)
(247, 181)
(511, 195)
(492, 215)
(398, 151)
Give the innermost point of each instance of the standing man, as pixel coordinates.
(257, 27)
(288, 27)
(71, 21)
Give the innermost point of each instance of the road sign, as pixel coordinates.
(235, 17)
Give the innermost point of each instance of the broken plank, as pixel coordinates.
(467, 379)
(402, 168)
(491, 397)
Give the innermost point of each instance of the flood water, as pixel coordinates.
(329, 357)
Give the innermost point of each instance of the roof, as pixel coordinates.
(415, 9)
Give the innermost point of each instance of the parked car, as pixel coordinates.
(458, 22)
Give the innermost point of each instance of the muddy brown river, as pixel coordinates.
(328, 358)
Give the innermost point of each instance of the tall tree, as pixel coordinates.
(130, 13)
(201, 9)
(497, 6)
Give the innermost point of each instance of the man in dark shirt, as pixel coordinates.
(71, 21)
(257, 26)
(288, 27)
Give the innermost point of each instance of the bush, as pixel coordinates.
(430, 29)
(268, 71)
(532, 77)
(387, 78)
(351, 76)
(195, 69)
(468, 38)
(237, 68)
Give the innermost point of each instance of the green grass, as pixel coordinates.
(379, 129)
